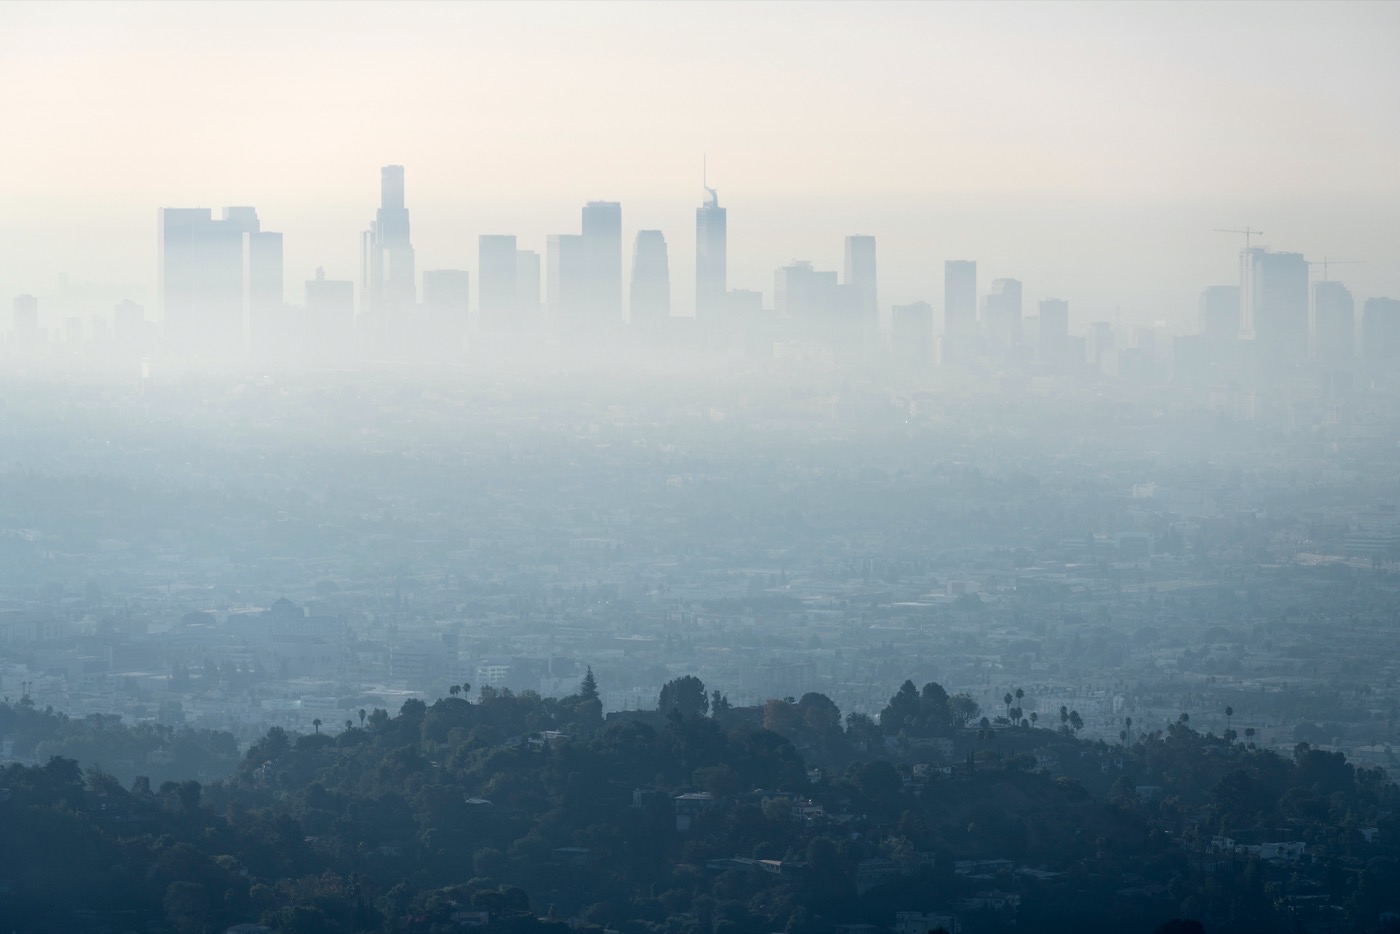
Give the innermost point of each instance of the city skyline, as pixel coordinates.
(1111, 203)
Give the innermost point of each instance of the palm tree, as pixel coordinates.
(1034, 717)
(317, 724)
(362, 718)
(1249, 735)
(1229, 712)
(349, 725)
(1007, 701)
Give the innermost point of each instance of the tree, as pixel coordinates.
(962, 709)
(588, 688)
(317, 724)
(186, 906)
(1076, 722)
(362, 718)
(454, 690)
(685, 695)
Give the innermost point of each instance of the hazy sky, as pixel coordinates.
(1088, 149)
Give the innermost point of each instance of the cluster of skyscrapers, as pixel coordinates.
(221, 288)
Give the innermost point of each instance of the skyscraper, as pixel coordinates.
(650, 299)
(388, 287)
(711, 258)
(602, 247)
(527, 285)
(1054, 332)
(1334, 324)
(1218, 314)
(1274, 306)
(497, 282)
(860, 275)
(959, 307)
(213, 275)
(1380, 333)
(1001, 315)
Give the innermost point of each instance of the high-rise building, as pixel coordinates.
(1001, 315)
(959, 301)
(650, 299)
(1380, 332)
(213, 275)
(262, 285)
(911, 334)
(711, 258)
(1218, 314)
(527, 285)
(566, 272)
(388, 285)
(497, 282)
(1274, 306)
(24, 325)
(1334, 324)
(1053, 339)
(860, 275)
(602, 247)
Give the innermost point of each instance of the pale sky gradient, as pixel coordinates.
(1088, 149)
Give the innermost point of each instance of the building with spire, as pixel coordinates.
(711, 257)
(388, 286)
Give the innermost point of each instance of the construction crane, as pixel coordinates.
(1325, 262)
(1247, 231)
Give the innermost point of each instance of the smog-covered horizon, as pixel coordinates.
(725, 468)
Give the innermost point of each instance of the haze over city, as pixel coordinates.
(699, 468)
(1088, 150)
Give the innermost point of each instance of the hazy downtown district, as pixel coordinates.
(699, 468)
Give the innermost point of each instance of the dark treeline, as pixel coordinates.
(525, 813)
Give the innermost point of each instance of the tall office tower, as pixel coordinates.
(1054, 331)
(602, 246)
(447, 298)
(1218, 314)
(24, 325)
(1380, 332)
(212, 274)
(566, 272)
(330, 309)
(262, 286)
(650, 299)
(959, 303)
(1001, 315)
(527, 285)
(1274, 306)
(497, 282)
(860, 275)
(711, 258)
(1334, 324)
(387, 286)
(911, 334)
